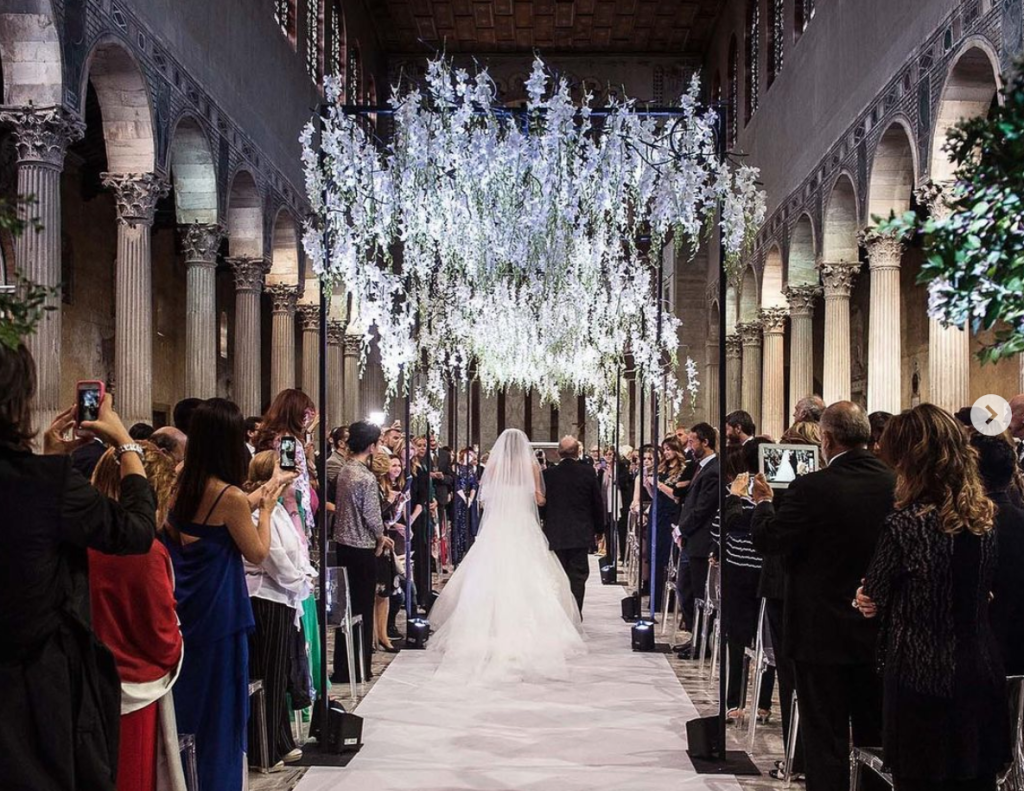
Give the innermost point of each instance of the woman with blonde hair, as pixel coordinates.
(945, 723)
(133, 614)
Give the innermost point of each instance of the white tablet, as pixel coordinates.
(783, 464)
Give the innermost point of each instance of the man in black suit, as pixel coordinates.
(444, 480)
(698, 512)
(573, 514)
(826, 529)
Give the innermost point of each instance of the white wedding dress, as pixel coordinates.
(507, 613)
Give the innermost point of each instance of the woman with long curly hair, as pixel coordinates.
(945, 722)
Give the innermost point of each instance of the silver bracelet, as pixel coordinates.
(128, 447)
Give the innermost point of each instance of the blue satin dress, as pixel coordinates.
(211, 696)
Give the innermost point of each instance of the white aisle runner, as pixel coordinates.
(619, 725)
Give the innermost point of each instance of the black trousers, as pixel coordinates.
(269, 645)
(362, 581)
(738, 668)
(577, 568)
(837, 701)
(422, 541)
(698, 582)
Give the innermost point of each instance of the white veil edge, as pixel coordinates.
(511, 467)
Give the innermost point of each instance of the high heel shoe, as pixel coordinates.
(763, 715)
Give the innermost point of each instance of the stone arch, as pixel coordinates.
(802, 258)
(284, 256)
(245, 216)
(841, 223)
(713, 320)
(893, 172)
(772, 280)
(193, 173)
(30, 53)
(971, 85)
(732, 308)
(749, 300)
(125, 106)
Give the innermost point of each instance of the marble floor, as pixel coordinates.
(620, 723)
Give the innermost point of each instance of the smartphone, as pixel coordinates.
(90, 395)
(287, 453)
(750, 487)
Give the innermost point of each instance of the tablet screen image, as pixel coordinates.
(783, 464)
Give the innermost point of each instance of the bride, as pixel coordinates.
(507, 612)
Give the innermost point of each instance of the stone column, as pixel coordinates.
(773, 390)
(801, 341)
(309, 316)
(282, 343)
(41, 138)
(750, 399)
(335, 363)
(201, 243)
(733, 371)
(136, 195)
(352, 413)
(711, 350)
(838, 280)
(884, 359)
(249, 274)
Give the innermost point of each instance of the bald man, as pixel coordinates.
(573, 514)
(1017, 425)
(171, 441)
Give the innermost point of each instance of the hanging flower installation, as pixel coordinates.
(523, 243)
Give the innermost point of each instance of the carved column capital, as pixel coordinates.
(201, 242)
(801, 299)
(353, 345)
(773, 320)
(884, 250)
(136, 195)
(838, 278)
(42, 135)
(249, 272)
(335, 332)
(733, 345)
(285, 297)
(309, 315)
(933, 196)
(750, 333)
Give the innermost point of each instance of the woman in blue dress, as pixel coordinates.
(209, 532)
(465, 524)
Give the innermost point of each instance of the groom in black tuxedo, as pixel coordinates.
(573, 515)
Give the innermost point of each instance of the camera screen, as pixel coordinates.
(287, 453)
(88, 403)
(783, 464)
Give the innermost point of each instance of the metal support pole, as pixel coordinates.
(410, 604)
(655, 422)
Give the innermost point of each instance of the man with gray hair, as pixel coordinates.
(808, 409)
(826, 525)
(573, 514)
(171, 441)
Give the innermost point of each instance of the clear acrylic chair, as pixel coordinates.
(339, 615)
(711, 623)
(869, 758)
(258, 696)
(762, 657)
(187, 751)
(1013, 780)
(668, 594)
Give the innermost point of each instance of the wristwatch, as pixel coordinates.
(128, 447)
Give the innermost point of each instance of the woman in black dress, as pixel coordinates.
(945, 717)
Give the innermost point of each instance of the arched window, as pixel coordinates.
(753, 64)
(314, 39)
(804, 15)
(337, 62)
(776, 37)
(733, 103)
(284, 15)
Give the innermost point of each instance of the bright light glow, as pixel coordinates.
(377, 418)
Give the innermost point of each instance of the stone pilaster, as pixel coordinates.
(884, 331)
(750, 398)
(838, 281)
(309, 317)
(711, 354)
(773, 390)
(136, 195)
(335, 365)
(733, 371)
(353, 346)
(282, 349)
(41, 138)
(249, 275)
(949, 348)
(801, 342)
(371, 384)
(200, 242)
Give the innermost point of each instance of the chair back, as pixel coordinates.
(339, 599)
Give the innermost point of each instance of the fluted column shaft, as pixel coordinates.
(201, 243)
(41, 138)
(750, 399)
(351, 394)
(949, 366)
(733, 371)
(309, 316)
(711, 382)
(282, 342)
(773, 389)
(801, 342)
(884, 358)
(335, 363)
(136, 195)
(249, 274)
(838, 281)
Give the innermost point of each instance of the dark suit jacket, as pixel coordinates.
(699, 509)
(826, 529)
(574, 513)
(1007, 611)
(443, 487)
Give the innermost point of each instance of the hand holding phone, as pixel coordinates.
(286, 453)
(89, 395)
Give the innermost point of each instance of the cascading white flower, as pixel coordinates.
(520, 243)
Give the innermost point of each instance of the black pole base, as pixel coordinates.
(417, 632)
(643, 636)
(609, 574)
(630, 609)
(708, 754)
